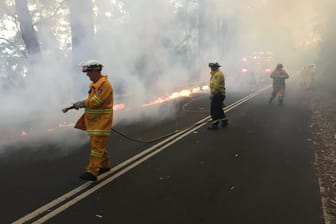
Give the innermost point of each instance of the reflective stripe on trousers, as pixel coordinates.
(99, 157)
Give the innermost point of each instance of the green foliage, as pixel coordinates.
(49, 20)
(12, 69)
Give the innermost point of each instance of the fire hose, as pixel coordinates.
(185, 107)
(64, 110)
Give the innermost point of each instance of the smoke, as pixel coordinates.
(326, 66)
(286, 28)
(32, 115)
(149, 49)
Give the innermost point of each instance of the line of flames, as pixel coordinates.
(121, 106)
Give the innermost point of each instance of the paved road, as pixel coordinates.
(258, 170)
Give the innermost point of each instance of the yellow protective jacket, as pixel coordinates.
(97, 119)
(217, 82)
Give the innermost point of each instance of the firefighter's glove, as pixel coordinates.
(79, 104)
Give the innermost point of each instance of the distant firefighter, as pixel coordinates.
(308, 74)
(217, 96)
(279, 75)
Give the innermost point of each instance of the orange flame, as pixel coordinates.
(23, 133)
(174, 95)
(121, 106)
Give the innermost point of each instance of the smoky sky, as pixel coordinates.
(142, 45)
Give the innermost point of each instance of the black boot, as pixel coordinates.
(224, 122)
(213, 126)
(103, 170)
(280, 100)
(88, 176)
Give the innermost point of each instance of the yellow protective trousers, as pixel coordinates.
(308, 82)
(99, 157)
(280, 90)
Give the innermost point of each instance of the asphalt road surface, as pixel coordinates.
(258, 170)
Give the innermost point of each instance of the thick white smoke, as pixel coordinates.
(140, 44)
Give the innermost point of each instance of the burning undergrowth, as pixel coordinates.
(39, 134)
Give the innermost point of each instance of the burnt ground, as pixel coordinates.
(323, 106)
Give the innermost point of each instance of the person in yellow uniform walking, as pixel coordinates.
(308, 76)
(97, 119)
(279, 75)
(217, 96)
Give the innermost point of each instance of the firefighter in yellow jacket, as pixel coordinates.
(97, 119)
(217, 96)
(279, 75)
(308, 74)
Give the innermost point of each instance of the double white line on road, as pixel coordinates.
(65, 201)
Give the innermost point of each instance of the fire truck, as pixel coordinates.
(256, 67)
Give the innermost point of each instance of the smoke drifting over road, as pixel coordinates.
(150, 48)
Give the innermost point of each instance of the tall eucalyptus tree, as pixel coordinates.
(28, 32)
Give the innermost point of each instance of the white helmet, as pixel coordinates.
(91, 65)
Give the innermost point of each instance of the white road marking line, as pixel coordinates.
(120, 170)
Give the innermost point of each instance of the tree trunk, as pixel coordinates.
(82, 31)
(28, 32)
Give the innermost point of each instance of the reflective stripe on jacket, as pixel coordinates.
(217, 82)
(97, 119)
